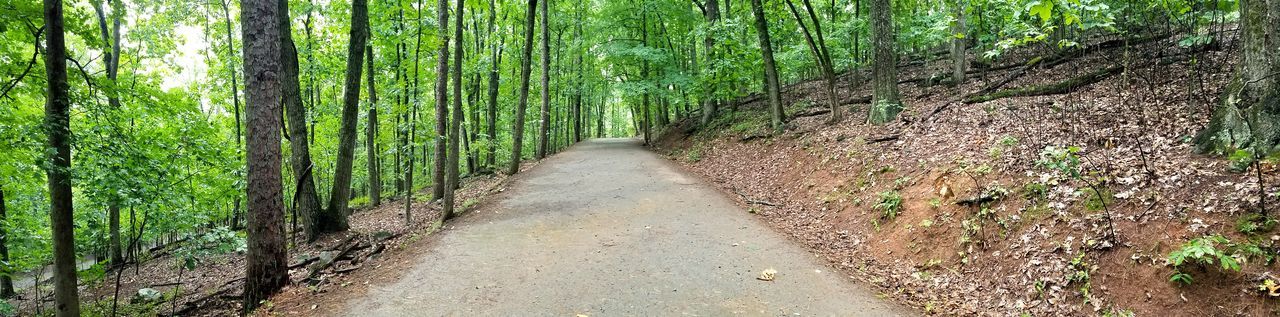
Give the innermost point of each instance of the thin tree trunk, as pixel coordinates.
(713, 17)
(818, 48)
(371, 133)
(771, 85)
(111, 60)
(6, 279)
(57, 123)
(455, 130)
(494, 73)
(523, 102)
(306, 201)
(544, 120)
(958, 39)
(440, 173)
(335, 217)
(235, 102)
(266, 267)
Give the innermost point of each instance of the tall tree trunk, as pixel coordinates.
(440, 173)
(335, 217)
(57, 122)
(523, 102)
(818, 48)
(544, 120)
(6, 278)
(266, 269)
(885, 102)
(709, 43)
(958, 39)
(455, 130)
(1249, 113)
(371, 133)
(111, 60)
(771, 86)
(306, 201)
(491, 121)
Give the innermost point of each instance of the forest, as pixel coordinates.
(163, 157)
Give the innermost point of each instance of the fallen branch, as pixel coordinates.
(1049, 89)
(883, 139)
(1063, 57)
(750, 201)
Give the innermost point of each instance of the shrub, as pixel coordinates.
(889, 206)
(1201, 251)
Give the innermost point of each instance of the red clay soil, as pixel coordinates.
(1026, 253)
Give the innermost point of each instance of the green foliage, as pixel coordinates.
(201, 247)
(1205, 251)
(889, 206)
(1254, 224)
(1097, 200)
(1062, 159)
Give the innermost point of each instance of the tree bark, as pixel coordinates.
(335, 217)
(111, 60)
(494, 74)
(371, 132)
(523, 102)
(455, 130)
(544, 120)
(1249, 113)
(771, 85)
(958, 40)
(440, 173)
(235, 102)
(885, 103)
(306, 201)
(57, 124)
(266, 269)
(713, 18)
(6, 279)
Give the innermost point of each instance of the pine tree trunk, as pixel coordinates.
(771, 86)
(1249, 113)
(265, 266)
(885, 103)
(305, 199)
(517, 128)
(371, 133)
(334, 218)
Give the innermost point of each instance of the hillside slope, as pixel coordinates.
(1006, 207)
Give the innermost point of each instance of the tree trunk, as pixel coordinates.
(6, 279)
(885, 103)
(818, 48)
(455, 130)
(371, 133)
(958, 39)
(771, 86)
(1249, 113)
(496, 47)
(57, 123)
(235, 101)
(544, 120)
(111, 61)
(517, 129)
(266, 267)
(306, 201)
(335, 217)
(440, 173)
(713, 18)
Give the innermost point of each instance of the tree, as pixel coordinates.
(57, 124)
(771, 86)
(266, 269)
(517, 127)
(958, 42)
(821, 55)
(6, 278)
(442, 104)
(712, 12)
(111, 61)
(1248, 116)
(885, 102)
(371, 135)
(496, 47)
(455, 130)
(306, 202)
(544, 120)
(335, 217)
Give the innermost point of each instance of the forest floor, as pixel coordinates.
(956, 208)
(603, 228)
(214, 285)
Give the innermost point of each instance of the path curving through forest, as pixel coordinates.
(608, 228)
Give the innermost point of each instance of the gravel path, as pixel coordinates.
(608, 228)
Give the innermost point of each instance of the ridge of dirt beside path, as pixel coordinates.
(605, 228)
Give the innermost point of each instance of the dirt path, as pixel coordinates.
(608, 228)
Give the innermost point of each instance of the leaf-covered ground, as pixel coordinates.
(986, 219)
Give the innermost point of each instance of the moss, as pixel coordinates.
(883, 112)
